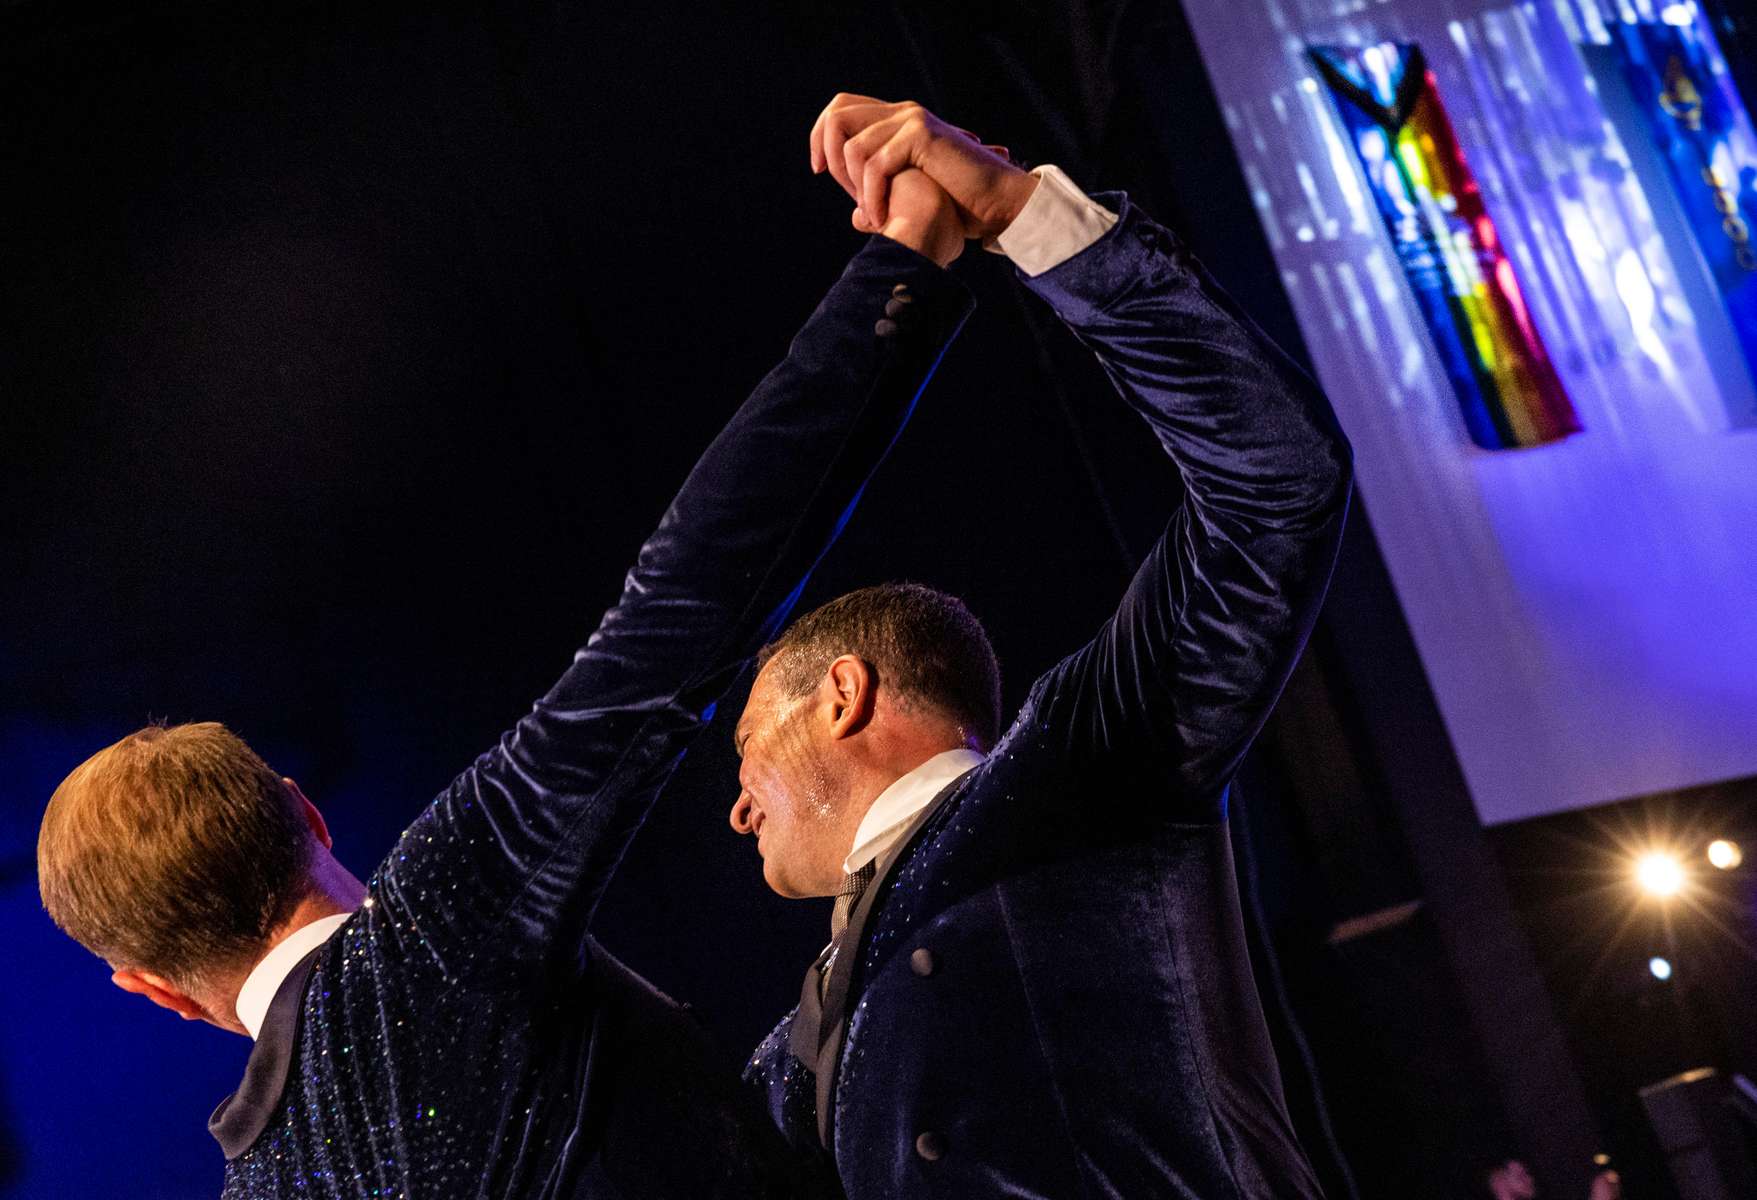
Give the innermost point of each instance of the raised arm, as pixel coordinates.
(1182, 677)
(1186, 671)
(508, 863)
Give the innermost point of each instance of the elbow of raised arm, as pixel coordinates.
(1339, 468)
(1329, 479)
(1315, 477)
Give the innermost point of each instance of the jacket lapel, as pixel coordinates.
(802, 1035)
(242, 1116)
(826, 1032)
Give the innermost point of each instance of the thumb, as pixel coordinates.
(861, 223)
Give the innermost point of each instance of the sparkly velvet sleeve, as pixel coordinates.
(506, 865)
(1178, 682)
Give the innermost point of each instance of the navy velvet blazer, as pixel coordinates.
(1046, 991)
(461, 1035)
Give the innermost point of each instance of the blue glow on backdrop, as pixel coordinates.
(1699, 125)
(1586, 610)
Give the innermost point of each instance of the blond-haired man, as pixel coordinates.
(448, 1028)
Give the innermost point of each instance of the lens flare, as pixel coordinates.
(1659, 874)
(1725, 855)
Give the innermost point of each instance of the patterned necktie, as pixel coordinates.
(841, 909)
(852, 886)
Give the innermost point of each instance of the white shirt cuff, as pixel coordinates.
(1057, 222)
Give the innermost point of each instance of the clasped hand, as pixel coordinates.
(916, 179)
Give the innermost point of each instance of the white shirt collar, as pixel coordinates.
(892, 811)
(266, 977)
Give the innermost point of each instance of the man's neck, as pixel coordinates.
(890, 809)
(333, 891)
(875, 779)
(900, 753)
(311, 924)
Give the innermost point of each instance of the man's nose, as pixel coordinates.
(740, 815)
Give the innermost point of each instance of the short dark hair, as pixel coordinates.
(924, 643)
(176, 850)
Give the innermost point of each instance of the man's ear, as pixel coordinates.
(160, 991)
(853, 687)
(313, 818)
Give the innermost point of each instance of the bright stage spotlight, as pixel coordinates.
(1659, 874)
(1661, 968)
(1724, 854)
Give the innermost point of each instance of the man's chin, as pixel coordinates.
(780, 883)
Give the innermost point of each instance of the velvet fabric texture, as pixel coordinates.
(461, 1035)
(1046, 992)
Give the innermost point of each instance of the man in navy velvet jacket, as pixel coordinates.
(448, 1029)
(1037, 983)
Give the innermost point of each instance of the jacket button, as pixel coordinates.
(896, 306)
(930, 1146)
(885, 328)
(921, 962)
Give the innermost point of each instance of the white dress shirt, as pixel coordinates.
(266, 976)
(1057, 222)
(897, 805)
